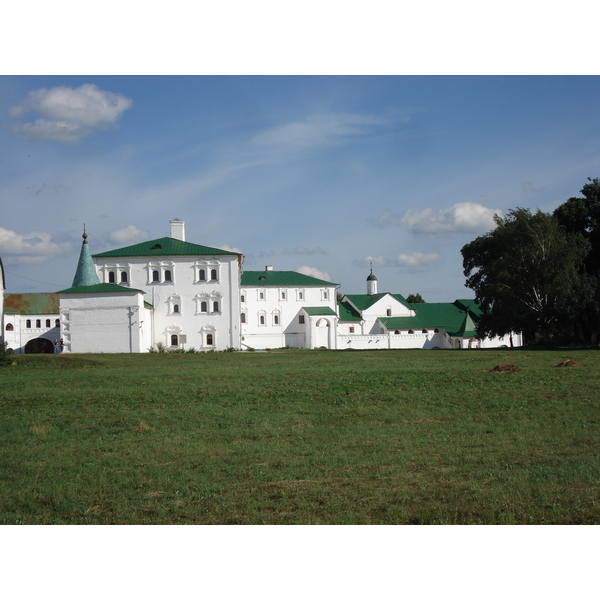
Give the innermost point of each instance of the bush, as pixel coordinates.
(6, 354)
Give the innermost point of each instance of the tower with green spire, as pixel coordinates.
(86, 272)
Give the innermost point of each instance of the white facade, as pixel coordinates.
(171, 293)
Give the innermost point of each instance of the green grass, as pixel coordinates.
(300, 437)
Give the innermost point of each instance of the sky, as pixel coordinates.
(318, 174)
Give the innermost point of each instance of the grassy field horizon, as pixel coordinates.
(301, 437)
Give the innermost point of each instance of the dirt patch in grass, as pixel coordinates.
(503, 368)
(568, 362)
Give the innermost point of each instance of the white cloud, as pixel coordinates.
(67, 114)
(464, 217)
(417, 259)
(129, 235)
(317, 130)
(313, 272)
(228, 248)
(35, 247)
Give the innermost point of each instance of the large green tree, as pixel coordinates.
(526, 274)
(580, 217)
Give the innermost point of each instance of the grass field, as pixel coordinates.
(301, 437)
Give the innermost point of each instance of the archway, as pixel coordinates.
(39, 346)
(322, 334)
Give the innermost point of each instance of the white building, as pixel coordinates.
(171, 293)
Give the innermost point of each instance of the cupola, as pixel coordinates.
(371, 283)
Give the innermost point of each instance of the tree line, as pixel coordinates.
(539, 273)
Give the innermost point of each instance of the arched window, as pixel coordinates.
(424, 331)
(283, 295)
(209, 339)
(388, 312)
(111, 277)
(397, 332)
(123, 276)
(57, 323)
(203, 307)
(410, 331)
(243, 298)
(176, 308)
(261, 296)
(213, 274)
(436, 330)
(155, 276)
(174, 340)
(202, 275)
(243, 318)
(28, 323)
(168, 276)
(215, 307)
(38, 323)
(47, 322)
(276, 319)
(262, 319)
(9, 327)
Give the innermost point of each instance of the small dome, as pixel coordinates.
(371, 277)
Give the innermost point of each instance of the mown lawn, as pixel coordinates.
(301, 437)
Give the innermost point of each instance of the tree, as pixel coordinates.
(415, 299)
(580, 217)
(526, 274)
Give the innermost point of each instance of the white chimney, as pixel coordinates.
(269, 268)
(178, 229)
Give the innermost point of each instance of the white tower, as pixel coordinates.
(371, 283)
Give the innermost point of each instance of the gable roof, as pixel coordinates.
(316, 311)
(100, 288)
(282, 278)
(365, 301)
(166, 246)
(31, 304)
(347, 312)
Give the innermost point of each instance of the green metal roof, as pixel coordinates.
(316, 311)
(166, 246)
(402, 322)
(281, 278)
(100, 288)
(31, 304)
(347, 312)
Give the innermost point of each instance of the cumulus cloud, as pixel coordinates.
(67, 114)
(35, 247)
(228, 248)
(464, 217)
(313, 272)
(129, 235)
(317, 130)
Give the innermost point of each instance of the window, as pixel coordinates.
(111, 277)
(301, 319)
(388, 312)
(215, 307)
(243, 298)
(261, 295)
(283, 295)
(424, 331)
(176, 308)
(47, 322)
(203, 306)
(397, 332)
(28, 323)
(300, 295)
(275, 319)
(174, 340)
(410, 331)
(168, 275)
(9, 327)
(202, 275)
(123, 277)
(351, 329)
(209, 339)
(243, 318)
(325, 295)
(436, 330)
(262, 319)
(38, 323)
(213, 275)
(155, 276)
(57, 323)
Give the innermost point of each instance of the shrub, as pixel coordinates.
(5, 354)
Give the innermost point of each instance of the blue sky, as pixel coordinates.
(322, 174)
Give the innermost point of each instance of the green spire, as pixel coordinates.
(86, 272)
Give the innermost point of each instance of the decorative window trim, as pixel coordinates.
(118, 273)
(204, 270)
(175, 306)
(163, 267)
